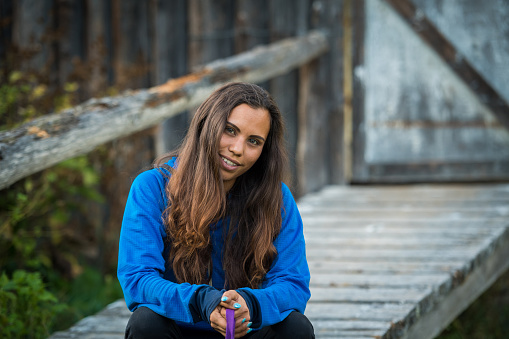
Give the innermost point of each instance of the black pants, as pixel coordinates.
(145, 323)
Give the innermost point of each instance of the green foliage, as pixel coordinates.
(37, 217)
(87, 294)
(27, 307)
(24, 96)
(48, 225)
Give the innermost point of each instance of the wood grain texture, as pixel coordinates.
(320, 114)
(286, 21)
(53, 138)
(401, 261)
(427, 31)
(416, 118)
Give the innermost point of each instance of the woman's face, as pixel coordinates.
(242, 141)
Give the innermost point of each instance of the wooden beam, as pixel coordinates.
(348, 91)
(48, 140)
(456, 61)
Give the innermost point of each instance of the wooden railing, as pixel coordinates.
(48, 140)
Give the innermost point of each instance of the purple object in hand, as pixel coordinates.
(230, 324)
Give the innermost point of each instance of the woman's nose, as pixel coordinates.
(236, 146)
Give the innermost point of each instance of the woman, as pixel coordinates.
(212, 227)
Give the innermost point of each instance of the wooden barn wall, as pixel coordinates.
(416, 119)
(115, 45)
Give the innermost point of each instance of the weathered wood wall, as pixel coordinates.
(50, 139)
(419, 118)
(139, 44)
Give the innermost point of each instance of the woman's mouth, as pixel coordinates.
(228, 164)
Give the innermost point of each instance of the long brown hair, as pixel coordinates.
(197, 198)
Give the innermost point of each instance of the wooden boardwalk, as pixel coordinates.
(386, 261)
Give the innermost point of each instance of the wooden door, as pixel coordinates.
(430, 91)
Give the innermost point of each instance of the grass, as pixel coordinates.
(89, 293)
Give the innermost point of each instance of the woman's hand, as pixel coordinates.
(232, 300)
(217, 321)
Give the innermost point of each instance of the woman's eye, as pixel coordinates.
(254, 141)
(229, 130)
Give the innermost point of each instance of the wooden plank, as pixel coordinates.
(377, 280)
(388, 254)
(413, 192)
(409, 294)
(251, 24)
(349, 216)
(6, 16)
(400, 243)
(358, 93)
(97, 47)
(53, 138)
(170, 31)
(286, 20)
(457, 62)
(326, 332)
(27, 37)
(211, 32)
(319, 147)
(348, 91)
(333, 16)
(132, 50)
(352, 311)
(170, 61)
(323, 126)
(71, 46)
(357, 227)
(372, 219)
(442, 308)
(368, 266)
(359, 203)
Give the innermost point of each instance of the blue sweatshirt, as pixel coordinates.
(147, 277)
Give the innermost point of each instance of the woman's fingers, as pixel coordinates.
(233, 300)
(217, 321)
(242, 325)
(240, 308)
(230, 299)
(242, 328)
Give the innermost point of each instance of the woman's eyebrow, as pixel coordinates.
(238, 129)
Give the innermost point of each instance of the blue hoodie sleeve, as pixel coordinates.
(141, 261)
(286, 285)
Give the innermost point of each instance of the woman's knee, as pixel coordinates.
(145, 323)
(295, 326)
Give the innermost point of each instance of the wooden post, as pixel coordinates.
(320, 148)
(348, 92)
(358, 137)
